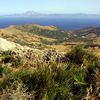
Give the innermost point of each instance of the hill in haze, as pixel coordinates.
(27, 13)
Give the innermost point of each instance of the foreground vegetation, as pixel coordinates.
(72, 76)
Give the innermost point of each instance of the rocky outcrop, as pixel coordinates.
(6, 45)
(15, 48)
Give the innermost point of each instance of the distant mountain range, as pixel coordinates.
(33, 13)
(28, 13)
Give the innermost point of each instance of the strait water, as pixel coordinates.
(60, 22)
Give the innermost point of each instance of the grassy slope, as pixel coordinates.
(76, 78)
(24, 37)
(74, 75)
(48, 37)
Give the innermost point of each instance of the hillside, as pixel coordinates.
(46, 31)
(24, 37)
(89, 33)
(46, 37)
(35, 36)
(33, 56)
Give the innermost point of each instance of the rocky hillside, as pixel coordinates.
(33, 56)
(89, 36)
(45, 31)
(46, 37)
(90, 32)
(16, 48)
(35, 36)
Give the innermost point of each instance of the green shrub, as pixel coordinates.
(1, 71)
(15, 61)
(15, 92)
(6, 82)
(22, 75)
(76, 55)
(53, 81)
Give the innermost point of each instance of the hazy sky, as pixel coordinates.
(50, 6)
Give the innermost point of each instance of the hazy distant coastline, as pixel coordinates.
(68, 15)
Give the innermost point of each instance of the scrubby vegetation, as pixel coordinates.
(46, 31)
(75, 77)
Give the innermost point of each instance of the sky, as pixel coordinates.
(50, 6)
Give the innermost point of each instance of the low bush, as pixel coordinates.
(14, 61)
(76, 79)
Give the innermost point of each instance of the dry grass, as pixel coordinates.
(95, 51)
